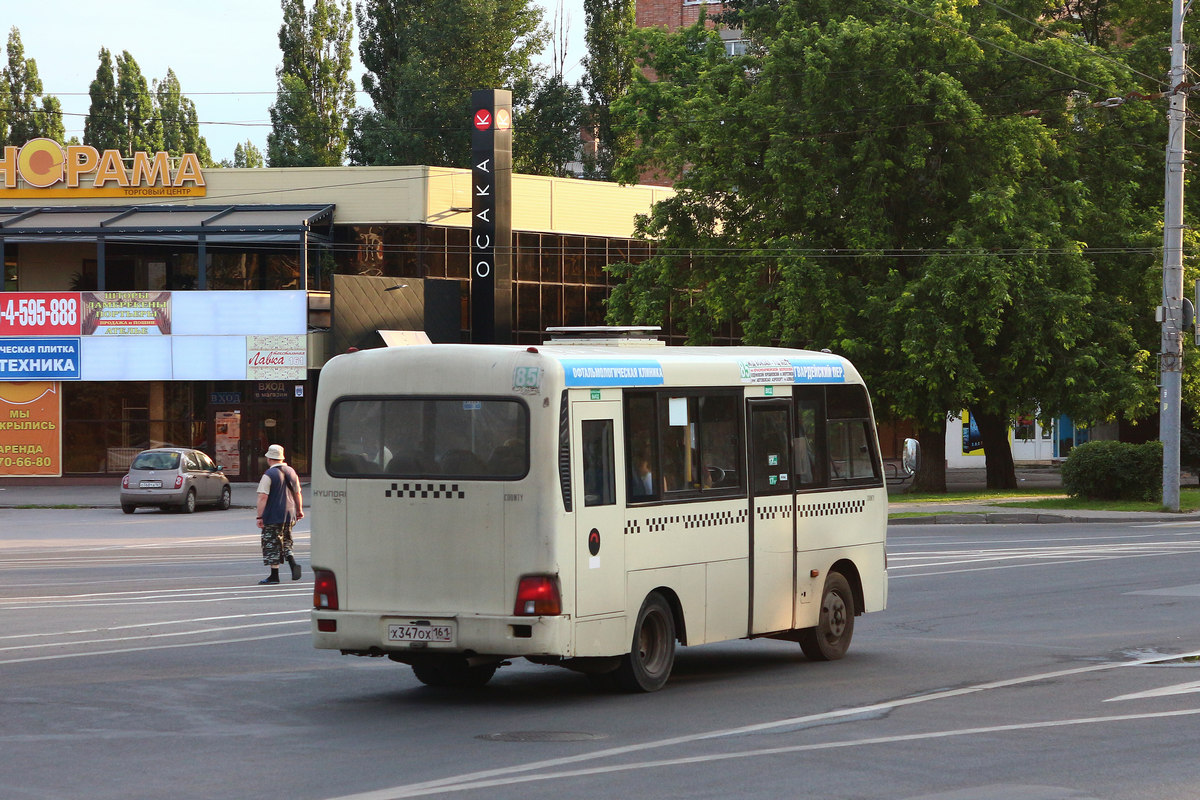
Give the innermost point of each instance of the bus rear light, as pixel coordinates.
(538, 596)
(325, 596)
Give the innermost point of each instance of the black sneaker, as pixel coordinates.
(295, 565)
(270, 579)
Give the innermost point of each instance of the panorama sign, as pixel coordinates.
(45, 168)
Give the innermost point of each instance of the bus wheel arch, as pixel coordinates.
(651, 657)
(849, 571)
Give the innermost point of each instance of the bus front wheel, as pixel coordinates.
(830, 639)
(652, 653)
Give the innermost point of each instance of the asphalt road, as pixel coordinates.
(139, 659)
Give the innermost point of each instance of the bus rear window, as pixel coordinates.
(455, 437)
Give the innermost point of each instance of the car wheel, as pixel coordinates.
(831, 638)
(189, 502)
(226, 499)
(128, 509)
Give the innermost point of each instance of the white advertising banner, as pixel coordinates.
(248, 312)
(208, 358)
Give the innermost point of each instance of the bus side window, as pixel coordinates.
(641, 447)
(599, 463)
(851, 443)
(677, 432)
(808, 448)
(720, 442)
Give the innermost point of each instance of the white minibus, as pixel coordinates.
(590, 503)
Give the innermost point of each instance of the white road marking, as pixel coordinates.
(937, 562)
(512, 774)
(135, 626)
(419, 790)
(111, 639)
(125, 650)
(1165, 691)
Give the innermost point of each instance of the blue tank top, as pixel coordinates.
(276, 511)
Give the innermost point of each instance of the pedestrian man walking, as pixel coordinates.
(280, 505)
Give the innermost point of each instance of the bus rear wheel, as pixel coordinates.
(830, 639)
(454, 672)
(647, 666)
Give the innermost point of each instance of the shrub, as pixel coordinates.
(1107, 470)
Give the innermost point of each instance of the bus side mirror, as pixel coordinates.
(910, 459)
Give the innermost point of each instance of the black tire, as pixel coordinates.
(226, 499)
(189, 502)
(454, 672)
(128, 509)
(647, 665)
(830, 639)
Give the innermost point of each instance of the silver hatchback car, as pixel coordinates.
(174, 477)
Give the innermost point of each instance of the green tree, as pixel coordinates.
(104, 127)
(897, 188)
(123, 114)
(24, 113)
(423, 59)
(315, 95)
(180, 122)
(143, 129)
(245, 155)
(610, 71)
(546, 131)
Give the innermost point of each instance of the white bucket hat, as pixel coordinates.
(275, 452)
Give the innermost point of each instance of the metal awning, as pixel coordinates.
(214, 224)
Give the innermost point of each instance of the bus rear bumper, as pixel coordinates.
(368, 634)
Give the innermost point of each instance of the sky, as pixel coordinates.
(224, 53)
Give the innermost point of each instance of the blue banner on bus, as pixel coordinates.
(36, 359)
(818, 370)
(633, 372)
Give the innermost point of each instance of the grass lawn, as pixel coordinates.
(1189, 500)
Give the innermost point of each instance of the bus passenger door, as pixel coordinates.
(599, 509)
(772, 517)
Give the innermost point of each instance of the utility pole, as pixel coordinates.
(1171, 312)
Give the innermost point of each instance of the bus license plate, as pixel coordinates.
(434, 634)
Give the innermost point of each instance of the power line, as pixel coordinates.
(1070, 39)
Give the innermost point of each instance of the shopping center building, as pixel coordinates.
(148, 301)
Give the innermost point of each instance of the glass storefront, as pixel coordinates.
(105, 424)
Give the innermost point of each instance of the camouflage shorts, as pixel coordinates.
(276, 543)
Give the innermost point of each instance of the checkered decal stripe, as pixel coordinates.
(832, 509)
(436, 491)
(688, 521)
(777, 511)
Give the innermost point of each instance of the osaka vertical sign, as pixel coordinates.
(491, 216)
